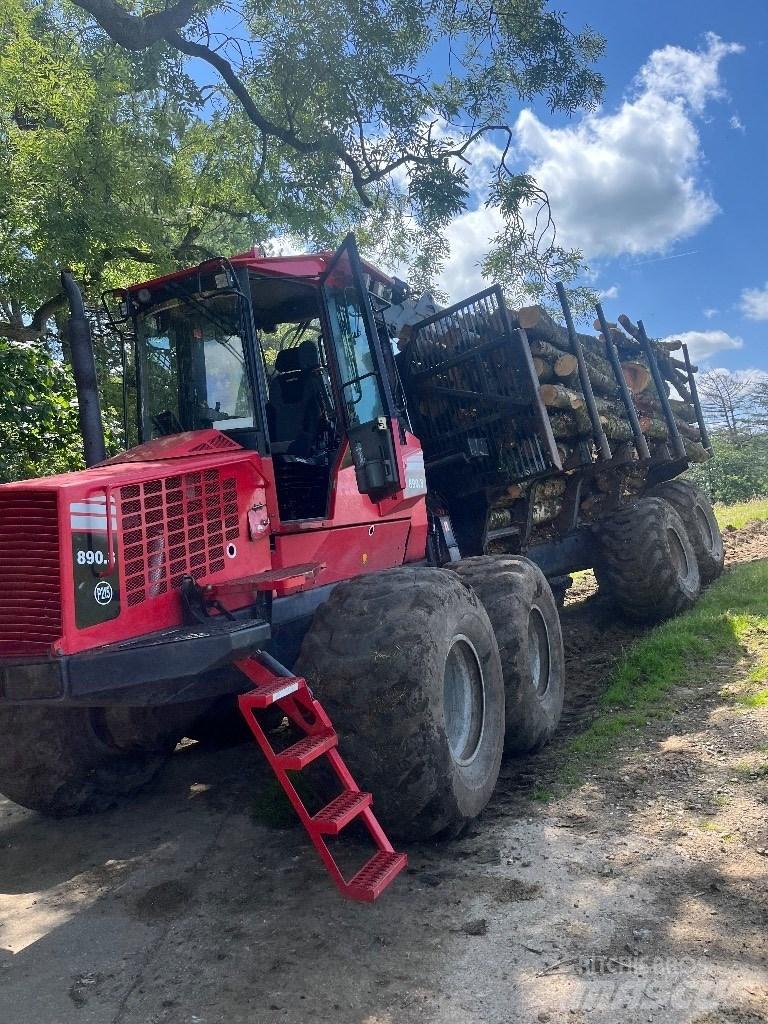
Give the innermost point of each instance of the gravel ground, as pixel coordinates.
(641, 896)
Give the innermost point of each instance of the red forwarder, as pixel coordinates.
(141, 593)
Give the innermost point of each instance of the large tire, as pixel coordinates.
(647, 561)
(698, 517)
(523, 613)
(65, 761)
(406, 663)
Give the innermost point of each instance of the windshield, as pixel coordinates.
(193, 369)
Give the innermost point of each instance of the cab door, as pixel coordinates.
(358, 366)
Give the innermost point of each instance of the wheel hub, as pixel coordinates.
(538, 651)
(679, 557)
(464, 700)
(706, 527)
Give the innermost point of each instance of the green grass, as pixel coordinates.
(738, 515)
(730, 620)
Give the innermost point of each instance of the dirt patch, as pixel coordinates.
(166, 899)
(747, 544)
(641, 896)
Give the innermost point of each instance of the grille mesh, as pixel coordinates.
(30, 595)
(175, 527)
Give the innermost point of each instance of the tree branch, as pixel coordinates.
(42, 315)
(325, 144)
(135, 32)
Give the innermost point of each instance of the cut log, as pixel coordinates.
(687, 430)
(566, 367)
(616, 428)
(653, 427)
(555, 396)
(669, 346)
(611, 407)
(543, 369)
(543, 348)
(631, 329)
(601, 377)
(683, 410)
(552, 488)
(540, 327)
(637, 376)
(499, 518)
(696, 452)
(569, 424)
(546, 511)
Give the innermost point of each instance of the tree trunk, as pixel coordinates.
(637, 376)
(555, 396)
(540, 326)
(543, 369)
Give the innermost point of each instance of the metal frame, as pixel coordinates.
(613, 356)
(678, 447)
(586, 385)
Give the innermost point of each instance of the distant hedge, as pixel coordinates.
(738, 472)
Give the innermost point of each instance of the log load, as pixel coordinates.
(561, 391)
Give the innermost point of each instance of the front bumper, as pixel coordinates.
(169, 667)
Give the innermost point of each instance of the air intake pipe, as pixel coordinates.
(84, 369)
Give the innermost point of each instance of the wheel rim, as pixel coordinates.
(706, 527)
(463, 700)
(538, 651)
(679, 557)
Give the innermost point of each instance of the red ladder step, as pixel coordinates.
(266, 695)
(305, 751)
(336, 815)
(274, 684)
(374, 876)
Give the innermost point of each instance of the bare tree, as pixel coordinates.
(729, 401)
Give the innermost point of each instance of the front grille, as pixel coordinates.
(175, 527)
(30, 579)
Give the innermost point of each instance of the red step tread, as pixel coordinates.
(336, 815)
(375, 875)
(265, 696)
(306, 751)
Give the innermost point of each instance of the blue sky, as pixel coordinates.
(664, 188)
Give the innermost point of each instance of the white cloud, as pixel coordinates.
(709, 313)
(754, 303)
(737, 124)
(676, 73)
(629, 182)
(622, 182)
(608, 293)
(704, 344)
(469, 237)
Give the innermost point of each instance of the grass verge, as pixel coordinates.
(729, 622)
(738, 515)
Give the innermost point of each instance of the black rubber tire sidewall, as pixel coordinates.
(66, 761)
(637, 566)
(375, 657)
(698, 516)
(511, 588)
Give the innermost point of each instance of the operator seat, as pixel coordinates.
(298, 401)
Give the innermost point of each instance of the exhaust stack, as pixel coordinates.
(84, 369)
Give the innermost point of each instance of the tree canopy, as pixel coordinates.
(138, 139)
(156, 137)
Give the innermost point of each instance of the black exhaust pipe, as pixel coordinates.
(84, 370)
